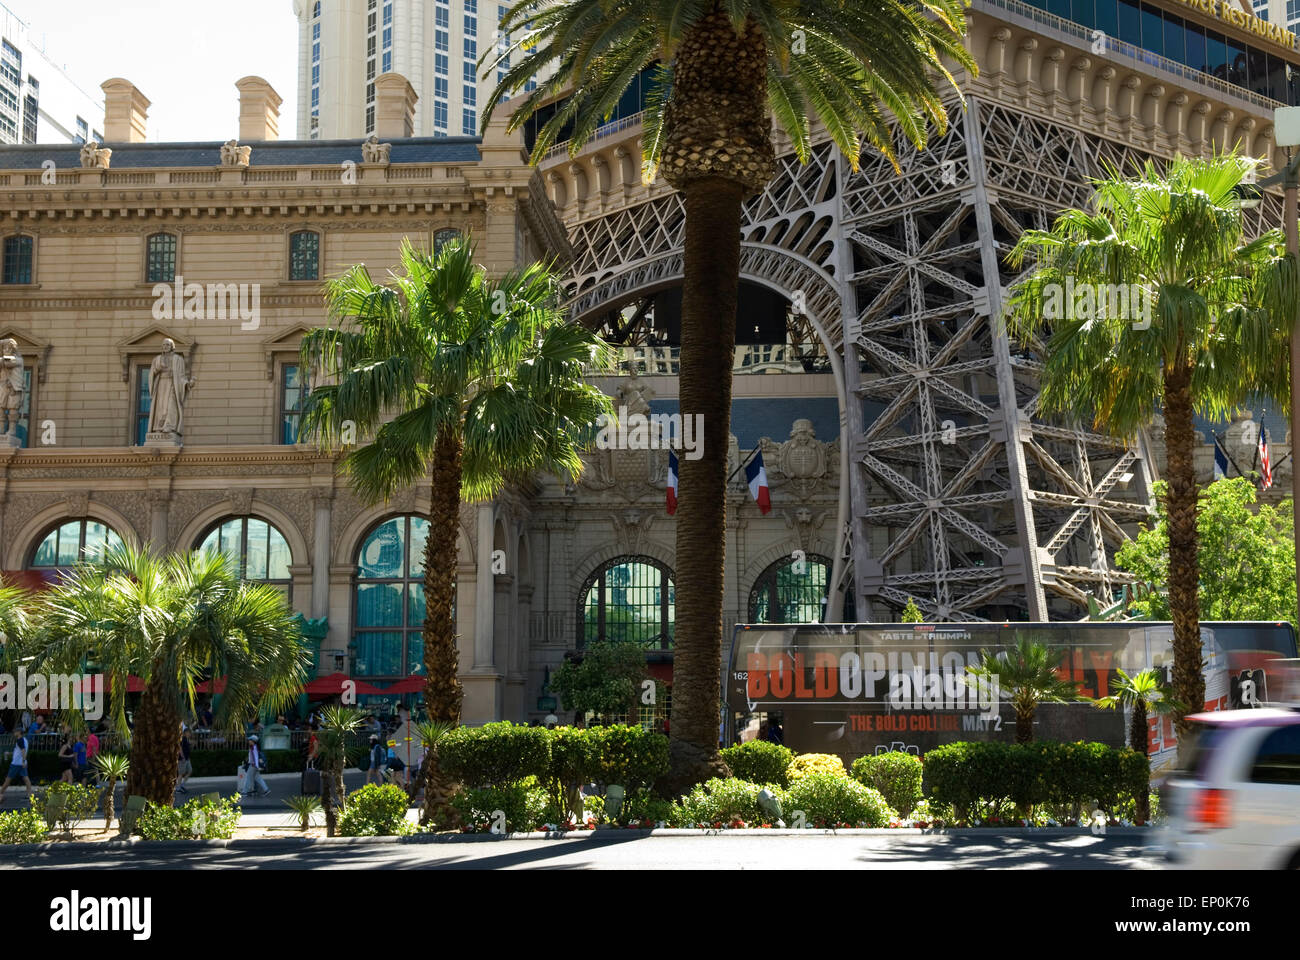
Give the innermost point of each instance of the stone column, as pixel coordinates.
(484, 601)
(322, 499)
(159, 498)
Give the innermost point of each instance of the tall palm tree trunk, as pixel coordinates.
(718, 151)
(442, 690)
(1184, 573)
(155, 745)
(1025, 723)
(1137, 740)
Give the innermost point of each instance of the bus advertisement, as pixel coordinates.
(867, 688)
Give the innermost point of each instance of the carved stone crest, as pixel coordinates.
(77, 503)
(241, 500)
(631, 527)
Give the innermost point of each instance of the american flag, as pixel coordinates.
(1265, 466)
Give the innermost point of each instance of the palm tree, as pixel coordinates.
(1027, 674)
(862, 68)
(338, 726)
(464, 381)
(1144, 694)
(112, 767)
(170, 620)
(430, 732)
(1211, 329)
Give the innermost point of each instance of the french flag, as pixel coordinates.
(672, 483)
(756, 474)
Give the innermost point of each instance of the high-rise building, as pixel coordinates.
(345, 45)
(39, 102)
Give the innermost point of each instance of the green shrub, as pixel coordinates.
(807, 763)
(896, 775)
(978, 780)
(495, 754)
(199, 819)
(22, 826)
(575, 760)
(723, 802)
(759, 761)
(525, 808)
(376, 811)
(630, 756)
(828, 800)
(80, 803)
(642, 806)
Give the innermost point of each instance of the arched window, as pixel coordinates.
(160, 258)
(389, 599)
(443, 237)
(794, 591)
(73, 540)
(304, 255)
(315, 11)
(629, 599)
(257, 547)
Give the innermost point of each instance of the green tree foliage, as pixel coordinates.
(912, 613)
(1246, 556)
(606, 680)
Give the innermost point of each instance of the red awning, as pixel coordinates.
(206, 685)
(333, 685)
(660, 671)
(411, 684)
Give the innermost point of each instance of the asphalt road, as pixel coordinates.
(613, 851)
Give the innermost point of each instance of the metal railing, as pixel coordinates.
(1125, 49)
(604, 130)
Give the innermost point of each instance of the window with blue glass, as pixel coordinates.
(23, 430)
(389, 599)
(388, 61)
(304, 255)
(315, 51)
(792, 591)
(471, 6)
(469, 122)
(440, 115)
(315, 11)
(440, 41)
(441, 16)
(293, 393)
(72, 541)
(315, 74)
(471, 26)
(160, 258)
(141, 403)
(388, 36)
(388, 14)
(440, 62)
(17, 259)
(470, 94)
(468, 73)
(471, 49)
(440, 87)
(315, 31)
(628, 600)
(315, 97)
(257, 549)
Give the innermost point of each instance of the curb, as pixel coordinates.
(79, 846)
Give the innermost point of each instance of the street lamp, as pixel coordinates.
(1286, 133)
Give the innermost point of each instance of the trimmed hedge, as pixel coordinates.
(759, 761)
(809, 763)
(495, 754)
(829, 800)
(976, 777)
(896, 775)
(630, 756)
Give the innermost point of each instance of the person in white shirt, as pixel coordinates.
(254, 763)
(18, 766)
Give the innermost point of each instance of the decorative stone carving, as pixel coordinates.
(805, 524)
(169, 387)
(631, 528)
(233, 155)
(241, 500)
(372, 151)
(11, 390)
(77, 503)
(94, 156)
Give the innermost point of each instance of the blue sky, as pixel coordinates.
(183, 55)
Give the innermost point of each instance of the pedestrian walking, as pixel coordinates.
(79, 754)
(253, 769)
(377, 759)
(67, 759)
(17, 767)
(184, 769)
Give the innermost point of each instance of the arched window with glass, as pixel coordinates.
(70, 541)
(160, 258)
(794, 590)
(389, 599)
(257, 547)
(629, 600)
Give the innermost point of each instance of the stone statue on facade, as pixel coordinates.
(12, 388)
(169, 387)
(233, 155)
(372, 151)
(92, 156)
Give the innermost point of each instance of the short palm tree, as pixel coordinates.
(463, 381)
(112, 767)
(1144, 695)
(1216, 313)
(430, 732)
(338, 728)
(170, 620)
(1027, 674)
(866, 70)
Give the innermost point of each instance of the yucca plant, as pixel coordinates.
(303, 807)
(112, 767)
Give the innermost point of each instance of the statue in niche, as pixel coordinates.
(169, 387)
(12, 388)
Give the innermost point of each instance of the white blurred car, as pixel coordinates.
(1236, 803)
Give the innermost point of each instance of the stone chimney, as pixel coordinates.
(125, 111)
(394, 106)
(259, 110)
